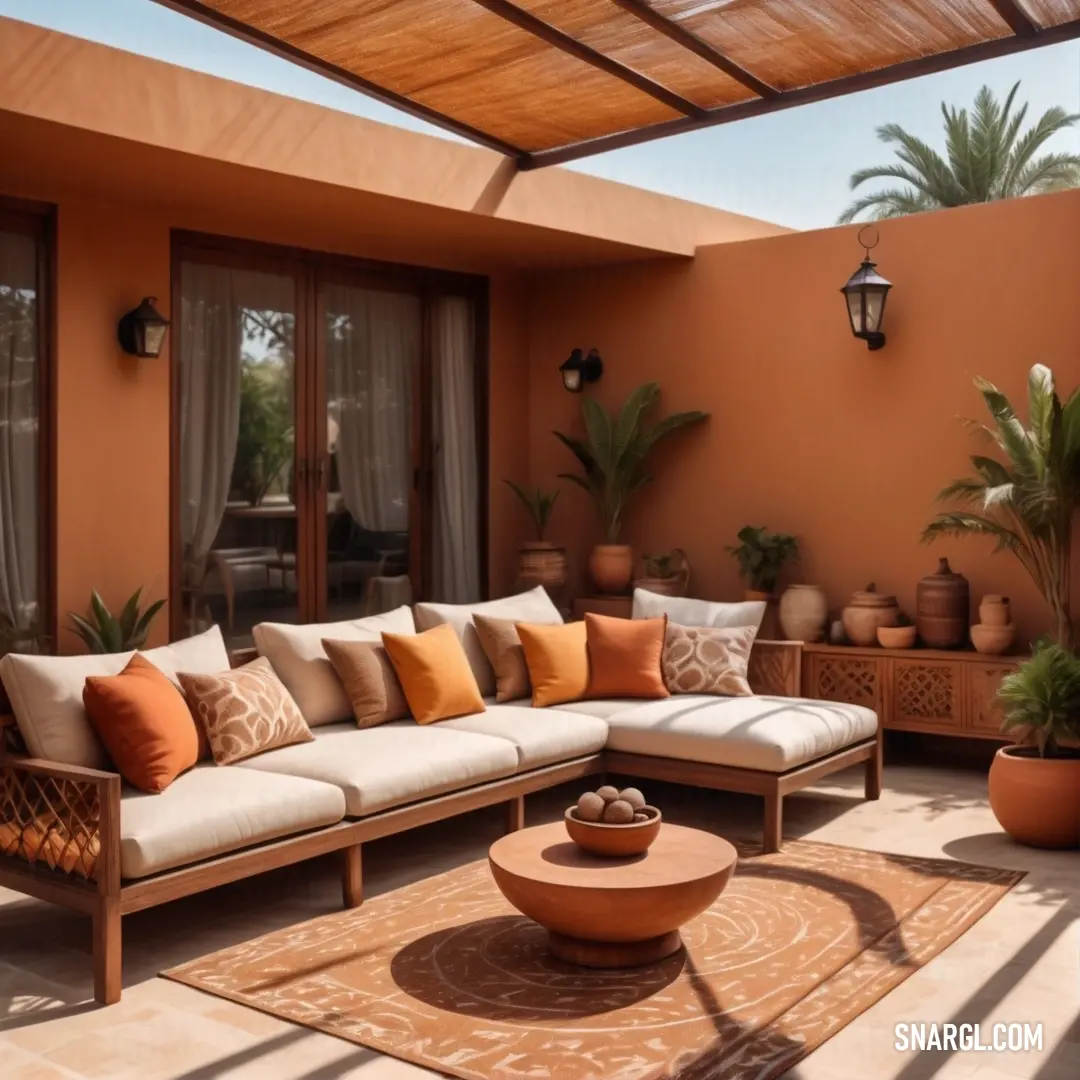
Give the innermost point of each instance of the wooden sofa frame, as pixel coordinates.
(89, 800)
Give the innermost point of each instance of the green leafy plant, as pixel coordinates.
(762, 555)
(1025, 503)
(538, 503)
(1040, 701)
(264, 441)
(662, 566)
(104, 632)
(615, 449)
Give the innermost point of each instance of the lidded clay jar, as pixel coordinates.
(943, 608)
(868, 610)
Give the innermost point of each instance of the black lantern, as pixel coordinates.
(142, 331)
(866, 293)
(579, 370)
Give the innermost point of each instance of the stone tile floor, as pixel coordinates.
(1020, 963)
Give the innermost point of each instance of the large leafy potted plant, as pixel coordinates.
(1025, 500)
(1035, 785)
(612, 456)
(540, 562)
(761, 556)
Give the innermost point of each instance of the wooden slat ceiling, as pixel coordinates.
(548, 81)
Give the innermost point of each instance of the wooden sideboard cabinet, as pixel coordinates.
(930, 690)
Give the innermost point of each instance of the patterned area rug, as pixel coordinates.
(446, 975)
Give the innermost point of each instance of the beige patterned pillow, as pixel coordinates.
(245, 712)
(708, 660)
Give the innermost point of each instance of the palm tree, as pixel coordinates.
(989, 158)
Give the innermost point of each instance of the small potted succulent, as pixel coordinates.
(667, 574)
(1035, 785)
(540, 562)
(761, 556)
(900, 636)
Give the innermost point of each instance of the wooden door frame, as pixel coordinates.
(310, 267)
(39, 221)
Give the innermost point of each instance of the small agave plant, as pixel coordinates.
(104, 632)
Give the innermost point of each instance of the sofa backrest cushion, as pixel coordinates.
(688, 612)
(534, 606)
(46, 693)
(298, 657)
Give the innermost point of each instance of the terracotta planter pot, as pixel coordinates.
(1036, 800)
(612, 567)
(803, 613)
(665, 586)
(994, 611)
(541, 563)
(868, 610)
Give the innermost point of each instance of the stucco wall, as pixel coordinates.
(811, 433)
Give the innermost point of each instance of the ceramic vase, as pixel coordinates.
(804, 612)
(943, 608)
(868, 610)
(612, 567)
(994, 611)
(992, 640)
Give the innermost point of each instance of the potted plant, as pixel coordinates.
(539, 561)
(761, 556)
(612, 456)
(1025, 502)
(667, 573)
(1035, 785)
(104, 632)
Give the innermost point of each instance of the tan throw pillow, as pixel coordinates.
(708, 660)
(503, 648)
(369, 679)
(244, 712)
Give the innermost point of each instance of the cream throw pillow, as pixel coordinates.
(688, 612)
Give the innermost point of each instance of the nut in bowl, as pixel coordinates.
(613, 823)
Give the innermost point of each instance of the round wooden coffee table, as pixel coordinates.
(611, 912)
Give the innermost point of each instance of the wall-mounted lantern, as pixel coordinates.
(579, 370)
(142, 331)
(866, 293)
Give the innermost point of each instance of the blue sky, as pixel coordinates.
(791, 167)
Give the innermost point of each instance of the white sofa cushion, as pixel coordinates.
(541, 736)
(601, 708)
(392, 764)
(212, 810)
(689, 612)
(300, 661)
(771, 734)
(534, 606)
(46, 693)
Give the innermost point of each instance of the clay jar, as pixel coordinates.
(803, 613)
(868, 610)
(612, 567)
(994, 611)
(942, 608)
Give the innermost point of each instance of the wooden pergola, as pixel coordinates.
(548, 81)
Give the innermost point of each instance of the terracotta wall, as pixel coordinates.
(811, 433)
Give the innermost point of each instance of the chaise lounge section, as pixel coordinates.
(113, 850)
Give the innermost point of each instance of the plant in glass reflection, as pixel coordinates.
(264, 442)
(762, 555)
(104, 632)
(615, 449)
(538, 503)
(1025, 501)
(1040, 701)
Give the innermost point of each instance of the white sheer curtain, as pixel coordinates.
(213, 299)
(372, 354)
(19, 476)
(456, 532)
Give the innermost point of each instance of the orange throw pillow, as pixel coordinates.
(144, 723)
(626, 657)
(435, 674)
(558, 662)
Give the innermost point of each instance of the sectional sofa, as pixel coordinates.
(114, 850)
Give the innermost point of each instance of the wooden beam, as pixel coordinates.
(528, 22)
(206, 14)
(688, 40)
(851, 84)
(1015, 16)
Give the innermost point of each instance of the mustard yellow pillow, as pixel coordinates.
(434, 673)
(558, 661)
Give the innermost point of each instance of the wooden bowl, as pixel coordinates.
(896, 637)
(614, 841)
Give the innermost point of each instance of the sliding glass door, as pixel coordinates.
(327, 447)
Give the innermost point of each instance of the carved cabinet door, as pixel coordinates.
(927, 695)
